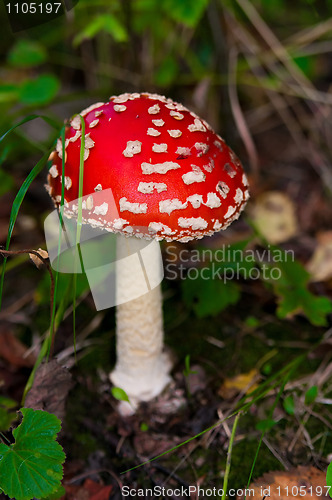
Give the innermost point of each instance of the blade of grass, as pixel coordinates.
(79, 226)
(52, 330)
(16, 207)
(29, 118)
(229, 456)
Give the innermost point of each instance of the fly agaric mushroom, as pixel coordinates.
(172, 178)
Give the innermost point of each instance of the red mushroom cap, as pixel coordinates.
(172, 177)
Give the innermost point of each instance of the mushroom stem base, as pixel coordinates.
(142, 368)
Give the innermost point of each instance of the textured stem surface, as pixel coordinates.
(142, 369)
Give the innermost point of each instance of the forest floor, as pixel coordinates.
(227, 354)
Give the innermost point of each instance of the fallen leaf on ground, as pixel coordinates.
(50, 389)
(320, 264)
(302, 482)
(274, 215)
(90, 490)
(97, 491)
(246, 382)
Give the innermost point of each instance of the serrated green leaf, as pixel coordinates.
(60, 492)
(32, 466)
(26, 53)
(41, 90)
(119, 394)
(311, 395)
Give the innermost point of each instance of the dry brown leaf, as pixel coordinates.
(274, 215)
(50, 389)
(97, 491)
(90, 490)
(302, 482)
(320, 264)
(36, 260)
(246, 382)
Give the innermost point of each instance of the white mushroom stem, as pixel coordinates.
(142, 369)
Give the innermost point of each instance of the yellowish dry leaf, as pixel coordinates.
(274, 216)
(36, 260)
(320, 264)
(244, 382)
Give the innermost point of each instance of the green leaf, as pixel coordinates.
(311, 395)
(7, 402)
(307, 65)
(41, 90)
(119, 394)
(289, 405)
(32, 466)
(252, 322)
(9, 92)
(187, 370)
(265, 425)
(294, 297)
(104, 22)
(187, 12)
(329, 478)
(26, 53)
(60, 492)
(207, 294)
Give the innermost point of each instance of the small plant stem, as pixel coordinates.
(229, 456)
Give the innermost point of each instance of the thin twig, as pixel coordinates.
(276, 454)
